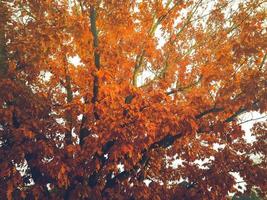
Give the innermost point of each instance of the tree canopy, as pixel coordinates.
(125, 99)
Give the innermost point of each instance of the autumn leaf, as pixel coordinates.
(132, 99)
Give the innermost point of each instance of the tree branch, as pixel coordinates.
(155, 24)
(165, 142)
(263, 61)
(183, 88)
(67, 86)
(212, 110)
(253, 119)
(235, 115)
(3, 52)
(96, 56)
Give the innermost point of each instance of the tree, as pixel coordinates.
(94, 129)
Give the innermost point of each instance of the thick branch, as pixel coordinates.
(212, 110)
(84, 132)
(96, 56)
(241, 111)
(67, 85)
(165, 142)
(68, 88)
(3, 52)
(36, 174)
(235, 115)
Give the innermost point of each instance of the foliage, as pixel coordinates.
(97, 130)
(252, 196)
